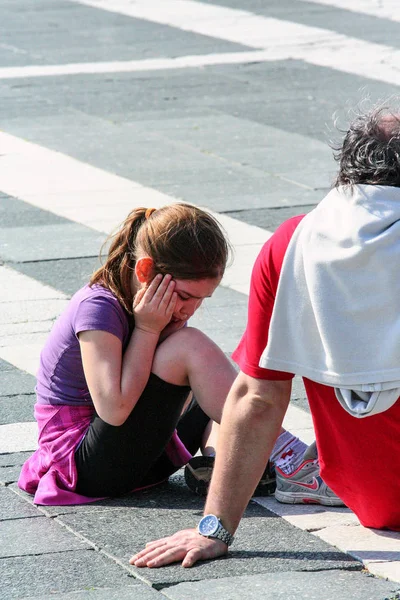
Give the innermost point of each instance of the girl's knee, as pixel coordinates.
(179, 352)
(188, 338)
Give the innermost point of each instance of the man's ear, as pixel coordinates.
(144, 269)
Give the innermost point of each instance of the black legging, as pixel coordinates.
(113, 460)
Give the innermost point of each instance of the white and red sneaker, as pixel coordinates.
(304, 485)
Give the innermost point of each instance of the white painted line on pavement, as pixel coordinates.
(283, 39)
(132, 66)
(383, 9)
(311, 517)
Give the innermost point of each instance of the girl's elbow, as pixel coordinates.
(115, 416)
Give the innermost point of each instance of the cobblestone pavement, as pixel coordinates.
(106, 105)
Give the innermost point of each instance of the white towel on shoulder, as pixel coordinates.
(336, 318)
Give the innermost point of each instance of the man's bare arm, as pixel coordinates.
(251, 422)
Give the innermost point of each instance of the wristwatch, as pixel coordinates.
(210, 526)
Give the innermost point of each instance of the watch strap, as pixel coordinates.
(223, 535)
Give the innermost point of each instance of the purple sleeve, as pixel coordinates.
(102, 312)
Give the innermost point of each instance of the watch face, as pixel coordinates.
(208, 525)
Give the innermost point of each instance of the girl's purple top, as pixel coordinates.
(64, 407)
(60, 378)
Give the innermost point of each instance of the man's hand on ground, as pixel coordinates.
(187, 545)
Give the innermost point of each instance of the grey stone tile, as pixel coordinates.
(17, 409)
(13, 459)
(318, 94)
(65, 275)
(135, 591)
(270, 218)
(21, 537)
(17, 213)
(247, 144)
(14, 382)
(223, 318)
(13, 506)
(6, 366)
(264, 543)
(69, 240)
(240, 192)
(9, 475)
(329, 585)
(61, 573)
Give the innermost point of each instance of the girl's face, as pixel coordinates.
(191, 294)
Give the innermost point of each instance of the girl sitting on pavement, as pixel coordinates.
(114, 384)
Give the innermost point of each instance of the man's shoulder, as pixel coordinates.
(280, 239)
(288, 227)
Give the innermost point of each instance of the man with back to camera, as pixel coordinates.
(324, 304)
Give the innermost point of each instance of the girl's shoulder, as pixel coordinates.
(95, 293)
(96, 307)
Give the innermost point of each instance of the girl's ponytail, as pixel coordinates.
(116, 273)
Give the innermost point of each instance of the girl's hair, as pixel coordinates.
(182, 240)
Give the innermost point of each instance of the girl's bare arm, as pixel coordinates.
(116, 382)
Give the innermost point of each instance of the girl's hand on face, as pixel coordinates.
(153, 306)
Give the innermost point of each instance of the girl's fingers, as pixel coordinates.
(165, 298)
(138, 297)
(155, 293)
(171, 304)
(152, 288)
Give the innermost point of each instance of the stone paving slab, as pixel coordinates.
(238, 191)
(69, 240)
(296, 83)
(287, 586)
(136, 591)
(62, 573)
(223, 317)
(13, 459)
(271, 218)
(253, 146)
(10, 467)
(16, 408)
(13, 382)
(9, 475)
(14, 507)
(264, 543)
(68, 276)
(17, 213)
(33, 535)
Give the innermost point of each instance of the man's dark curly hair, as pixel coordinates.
(370, 152)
